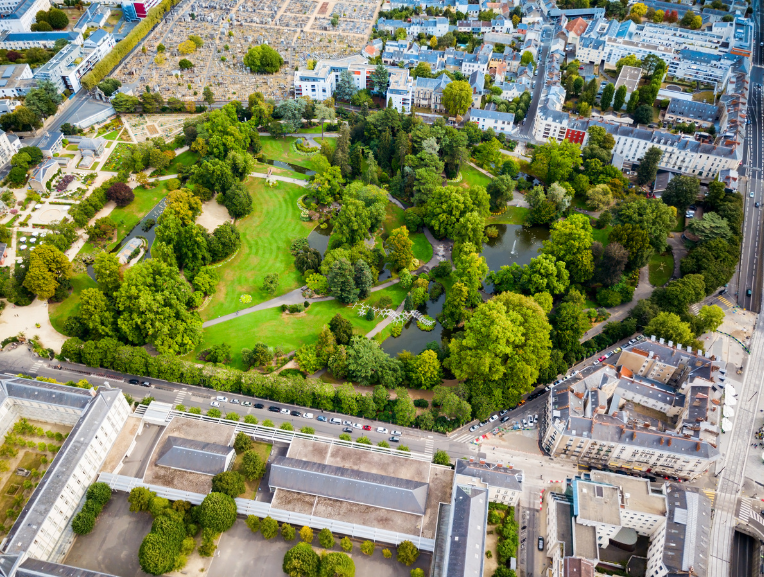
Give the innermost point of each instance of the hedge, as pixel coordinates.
(123, 48)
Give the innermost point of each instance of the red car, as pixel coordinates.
(367, 427)
(602, 358)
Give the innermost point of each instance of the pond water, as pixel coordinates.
(319, 238)
(288, 166)
(413, 339)
(138, 231)
(515, 243)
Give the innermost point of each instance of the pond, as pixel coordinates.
(413, 339)
(319, 238)
(515, 243)
(287, 166)
(138, 231)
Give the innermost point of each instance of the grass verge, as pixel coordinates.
(59, 312)
(661, 269)
(127, 217)
(513, 215)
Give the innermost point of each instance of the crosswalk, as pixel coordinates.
(711, 494)
(695, 308)
(428, 446)
(745, 511)
(35, 367)
(179, 397)
(466, 438)
(725, 301)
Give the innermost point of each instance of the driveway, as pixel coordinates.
(679, 250)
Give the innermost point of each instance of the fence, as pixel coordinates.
(262, 509)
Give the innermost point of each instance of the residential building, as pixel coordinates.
(498, 121)
(682, 544)
(400, 90)
(43, 527)
(24, 40)
(95, 16)
(598, 420)
(556, 15)
(142, 8)
(504, 484)
(436, 26)
(42, 174)
(629, 77)
(428, 92)
(574, 29)
(51, 143)
(7, 148)
(69, 65)
(16, 80)
(19, 16)
(690, 111)
(467, 526)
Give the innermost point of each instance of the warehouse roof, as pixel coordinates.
(195, 456)
(349, 485)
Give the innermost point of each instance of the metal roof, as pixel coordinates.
(492, 475)
(195, 456)
(36, 568)
(350, 485)
(466, 536)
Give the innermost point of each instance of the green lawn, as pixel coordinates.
(661, 269)
(473, 177)
(59, 312)
(513, 215)
(188, 158)
(422, 248)
(111, 135)
(263, 169)
(602, 235)
(280, 149)
(289, 331)
(680, 223)
(127, 217)
(394, 219)
(266, 235)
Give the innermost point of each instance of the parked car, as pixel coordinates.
(381, 430)
(474, 428)
(222, 399)
(234, 401)
(307, 415)
(134, 381)
(335, 421)
(246, 404)
(215, 404)
(357, 426)
(399, 433)
(503, 412)
(347, 423)
(367, 427)
(296, 413)
(274, 409)
(321, 419)
(505, 419)
(284, 411)
(145, 384)
(541, 544)
(394, 439)
(492, 418)
(259, 406)
(602, 358)
(484, 423)
(347, 430)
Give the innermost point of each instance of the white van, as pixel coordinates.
(335, 421)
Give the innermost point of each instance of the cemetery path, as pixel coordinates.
(296, 181)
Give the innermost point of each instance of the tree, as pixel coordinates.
(599, 197)
(367, 547)
(48, 266)
(427, 371)
(471, 269)
(633, 102)
(325, 538)
(710, 226)
(301, 561)
(57, 19)
(345, 87)
(679, 294)
(263, 59)
(400, 253)
(612, 264)
(441, 458)
(229, 482)
(569, 324)
(184, 64)
(643, 114)
(83, 522)
(352, 223)
(341, 328)
(152, 305)
(242, 443)
(217, 512)
(407, 553)
(648, 166)
(681, 192)
(571, 242)
(620, 98)
(506, 340)
(208, 96)
(708, 319)
(120, 193)
(362, 278)
(95, 313)
(271, 283)
(380, 78)
(306, 534)
(269, 528)
(607, 96)
(457, 97)
(651, 215)
(670, 327)
(287, 531)
(341, 283)
(336, 565)
(554, 161)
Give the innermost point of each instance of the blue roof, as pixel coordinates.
(98, 35)
(491, 114)
(40, 36)
(21, 9)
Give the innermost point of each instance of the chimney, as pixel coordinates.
(499, 465)
(472, 458)
(669, 442)
(482, 460)
(662, 440)
(697, 446)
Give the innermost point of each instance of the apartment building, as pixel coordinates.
(428, 92)
(7, 149)
(681, 545)
(504, 484)
(652, 410)
(690, 111)
(67, 67)
(321, 82)
(498, 121)
(24, 40)
(44, 523)
(19, 16)
(436, 26)
(16, 80)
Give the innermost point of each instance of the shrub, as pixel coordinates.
(396, 329)
(207, 548)
(253, 523)
(83, 523)
(441, 458)
(417, 572)
(336, 565)
(286, 427)
(250, 419)
(346, 544)
(387, 554)
(288, 532)
(306, 534)
(363, 441)
(301, 560)
(243, 443)
(407, 553)
(100, 493)
(421, 403)
(229, 482)
(269, 527)
(252, 466)
(367, 547)
(308, 430)
(494, 517)
(325, 538)
(608, 298)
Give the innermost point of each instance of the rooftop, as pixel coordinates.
(466, 545)
(596, 502)
(196, 456)
(638, 495)
(691, 110)
(492, 474)
(629, 77)
(687, 532)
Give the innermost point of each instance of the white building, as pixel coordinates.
(67, 67)
(16, 80)
(24, 40)
(7, 149)
(499, 121)
(42, 530)
(19, 16)
(436, 26)
(504, 484)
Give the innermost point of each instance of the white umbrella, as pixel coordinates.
(730, 401)
(731, 391)
(726, 425)
(23, 239)
(728, 411)
(23, 247)
(32, 239)
(35, 233)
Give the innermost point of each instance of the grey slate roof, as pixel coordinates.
(46, 393)
(53, 483)
(688, 525)
(466, 539)
(195, 456)
(349, 485)
(693, 109)
(492, 475)
(36, 568)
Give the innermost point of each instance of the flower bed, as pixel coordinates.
(64, 183)
(299, 148)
